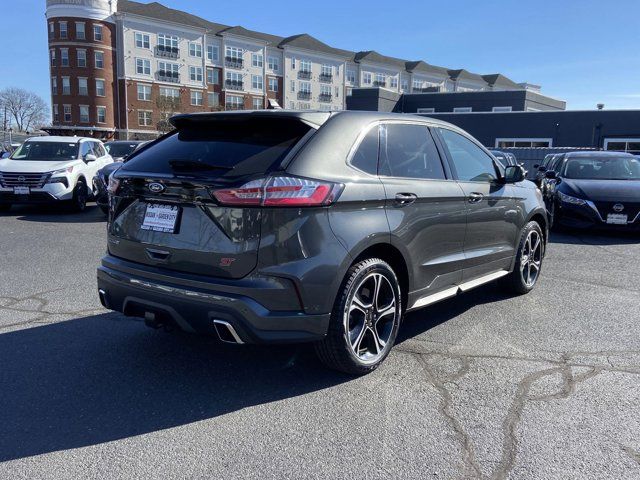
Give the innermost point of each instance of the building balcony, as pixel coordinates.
(234, 84)
(304, 74)
(326, 77)
(167, 76)
(233, 62)
(427, 90)
(167, 52)
(233, 106)
(379, 83)
(325, 97)
(304, 95)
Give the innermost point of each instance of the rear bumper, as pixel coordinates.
(195, 305)
(101, 196)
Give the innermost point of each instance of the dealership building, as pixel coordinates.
(121, 69)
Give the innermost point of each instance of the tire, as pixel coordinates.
(80, 197)
(528, 266)
(5, 207)
(361, 324)
(554, 224)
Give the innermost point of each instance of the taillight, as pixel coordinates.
(280, 191)
(113, 186)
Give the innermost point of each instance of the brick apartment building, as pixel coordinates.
(120, 69)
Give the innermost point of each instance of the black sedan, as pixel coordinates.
(594, 189)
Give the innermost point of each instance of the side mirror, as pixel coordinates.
(90, 157)
(550, 174)
(514, 174)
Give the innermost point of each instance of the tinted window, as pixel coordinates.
(221, 148)
(470, 161)
(120, 149)
(602, 168)
(41, 151)
(555, 163)
(409, 151)
(85, 148)
(366, 156)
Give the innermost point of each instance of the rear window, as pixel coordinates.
(221, 148)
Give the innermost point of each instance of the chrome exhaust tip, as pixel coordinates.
(226, 332)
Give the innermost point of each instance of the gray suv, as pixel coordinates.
(278, 226)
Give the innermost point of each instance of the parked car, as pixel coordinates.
(280, 226)
(51, 170)
(594, 189)
(542, 168)
(101, 180)
(505, 158)
(121, 149)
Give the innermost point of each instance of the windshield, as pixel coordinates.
(120, 149)
(46, 151)
(602, 168)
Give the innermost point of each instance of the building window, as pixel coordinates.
(351, 76)
(629, 145)
(54, 86)
(144, 118)
(196, 98)
(258, 103)
(257, 60)
(52, 30)
(213, 53)
(101, 114)
(292, 86)
(502, 109)
(426, 110)
(195, 74)
(213, 99)
(381, 80)
(63, 30)
(305, 87)
(394, 82)
(305, 66)
(257, 82)
(366, 78)
(304, 106)
(99, 59)
(234, 81)
(293, 63)
(349, 91)
(234, 102)
(56, 113)
(64, 57)
(66, 86)
(195, 50)
(168, 71)
(67, 113)
(143, 66)
(273, 63)
(143, 40)
(52, 55)
(84, 113)
(82, 58)
(100, 90)
(273, 84)
(462, 110)
(170, 93)
(524, 142)
(80, 34)
(144, 92)
(97, 33)
(168, 42)
(83, 88)
(213, 76)
(405, 85)
(234, 54)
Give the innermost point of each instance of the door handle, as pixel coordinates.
(475, 197)
(404, 199)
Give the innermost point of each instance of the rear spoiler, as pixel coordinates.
(313, 119)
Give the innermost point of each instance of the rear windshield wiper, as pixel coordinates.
(192, 166)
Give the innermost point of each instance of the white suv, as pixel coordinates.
(51, 169)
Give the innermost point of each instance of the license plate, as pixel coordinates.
(617, 219)
(21, 190)
(161, 218)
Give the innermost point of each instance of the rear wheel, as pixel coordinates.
(365, 319)
(80, 197)
(529, 260)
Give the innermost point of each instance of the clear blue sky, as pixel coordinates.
(582, 51)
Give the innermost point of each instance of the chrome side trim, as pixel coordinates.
(434, 298)
(465, 287)
(229, 328)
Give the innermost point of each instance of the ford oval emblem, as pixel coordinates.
(618, 207)
(156, 187)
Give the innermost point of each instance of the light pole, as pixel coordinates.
(10, 131)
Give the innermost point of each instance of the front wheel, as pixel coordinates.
(365, 319)
(529, 259)
(80, 197)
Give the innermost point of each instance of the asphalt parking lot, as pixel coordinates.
(481, 386)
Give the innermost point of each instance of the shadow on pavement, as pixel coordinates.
(55, 214)
(102, 378)
(595, 238)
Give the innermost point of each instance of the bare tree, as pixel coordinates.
(167, 106)
(27, 110)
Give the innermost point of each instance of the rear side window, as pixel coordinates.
(366, 156)
(409, 151)
(221, 148)
(472, 164)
